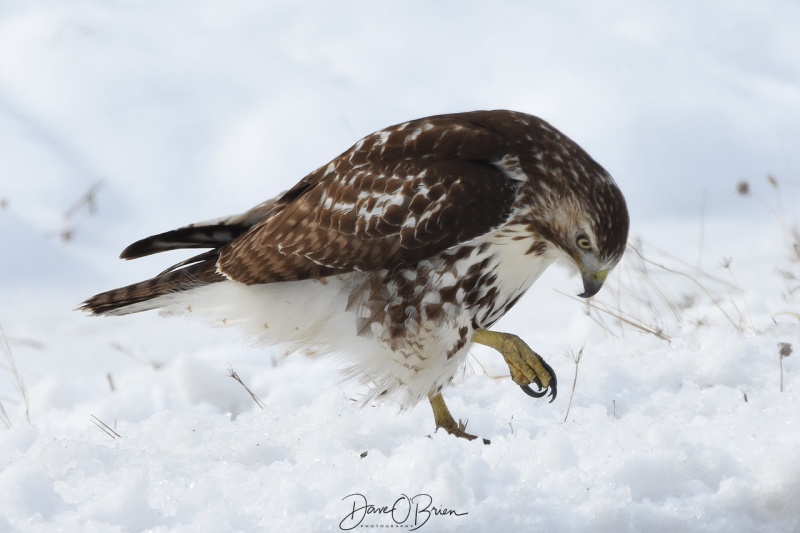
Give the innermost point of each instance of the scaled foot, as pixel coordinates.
(526, 366)
(445, 420)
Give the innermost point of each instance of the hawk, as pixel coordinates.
(401, 252)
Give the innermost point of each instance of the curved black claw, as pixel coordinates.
(553, 387)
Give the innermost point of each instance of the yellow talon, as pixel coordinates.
(525, 365)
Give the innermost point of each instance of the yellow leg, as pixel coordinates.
(526, 366)
(445, 420)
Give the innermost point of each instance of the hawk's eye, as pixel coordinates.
(583, 242)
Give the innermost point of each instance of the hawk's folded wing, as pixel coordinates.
(398, 196)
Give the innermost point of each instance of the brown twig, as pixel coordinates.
(235, 376)
(630, 322)
(105, 428)
(88, 199)
(576, 358)
(12, 368)
(784, 351)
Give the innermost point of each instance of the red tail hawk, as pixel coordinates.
(401, 252)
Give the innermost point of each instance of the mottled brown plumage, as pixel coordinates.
(412, 240)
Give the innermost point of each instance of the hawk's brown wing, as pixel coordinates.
(398, 196)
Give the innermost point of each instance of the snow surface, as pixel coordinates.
(189, 110)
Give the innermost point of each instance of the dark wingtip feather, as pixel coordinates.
(206, 236)
(144, 247)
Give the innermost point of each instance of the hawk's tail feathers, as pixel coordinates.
(146, 295)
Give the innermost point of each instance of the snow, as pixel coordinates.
(186, 111)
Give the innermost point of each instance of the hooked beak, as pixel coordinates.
(593, 282)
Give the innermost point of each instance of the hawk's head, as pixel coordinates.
(576, 211)
(585, 225)
(599, 231)
(595, 240)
